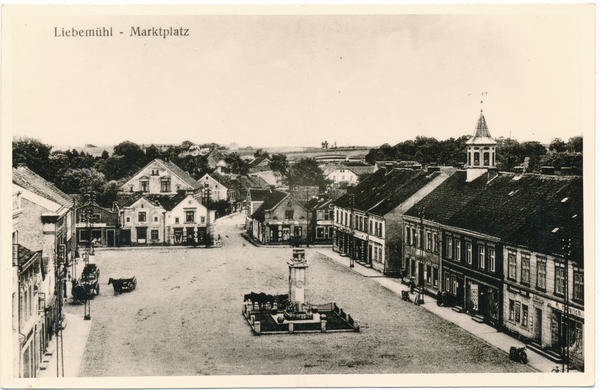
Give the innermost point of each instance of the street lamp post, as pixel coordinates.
(352, 231)
(421, 296)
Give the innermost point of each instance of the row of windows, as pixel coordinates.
(540, 274)
(414, 236)
(165, 186)
(486, 256)
(190, 217)
(360, 222)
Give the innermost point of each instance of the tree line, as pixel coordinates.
(78, 172)
(510, 153)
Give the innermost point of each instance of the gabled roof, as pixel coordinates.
(519, 210)
(272, 201)
(183, 175)
(482, 135)
(253, 182)
(258, 161)
(26, 178)
(222, 179)
(381, 193)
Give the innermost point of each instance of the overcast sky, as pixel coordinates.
(267, 81)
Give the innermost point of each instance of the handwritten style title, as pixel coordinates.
(163, 32)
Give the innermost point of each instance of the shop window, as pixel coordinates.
(541, 274)
(320, 232)
(512, 265)
(142, 216)
(511, 309)
(525, 269)
(154, 235)
(429, 274)
(435, 277)
(525, 316)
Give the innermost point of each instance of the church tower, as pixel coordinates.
(481, 151)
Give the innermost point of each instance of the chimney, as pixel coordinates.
(548, 170)
(271, 188)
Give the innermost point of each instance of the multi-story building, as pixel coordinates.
(164, 220)
(368, 219)
(281, 218)
(161, 178)
(42, 256)
(96, 223)
(497, 240)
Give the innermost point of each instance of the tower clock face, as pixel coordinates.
(299, 283)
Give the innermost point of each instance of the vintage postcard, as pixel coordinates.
(284, 196)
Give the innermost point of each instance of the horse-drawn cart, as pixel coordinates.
(123, 285)
(87, 286)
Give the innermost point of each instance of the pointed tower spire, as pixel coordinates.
(481, 150)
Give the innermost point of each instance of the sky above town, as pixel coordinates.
(299, 80)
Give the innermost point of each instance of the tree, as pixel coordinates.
(260, 153)
(33, 153)
(306, 172)
(575, 144)
(104, 155)
(279, 163)
(82, 181)
(114, 168)
(235, 164)
(134, 157)
(558, 145)
(152, 153)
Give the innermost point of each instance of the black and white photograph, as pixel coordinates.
(276, 196)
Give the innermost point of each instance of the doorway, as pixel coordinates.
(537, 326)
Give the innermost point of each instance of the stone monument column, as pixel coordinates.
(298, 277)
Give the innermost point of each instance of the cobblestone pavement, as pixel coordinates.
(184, 319)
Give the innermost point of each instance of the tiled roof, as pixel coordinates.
(33, 182)
(223, 180)
(183, 175)
(167, 202)
(381, 193)
(25, 255)
(259, 195)
(272, 200)
(520, 210)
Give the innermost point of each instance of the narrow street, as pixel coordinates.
(184, 318)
